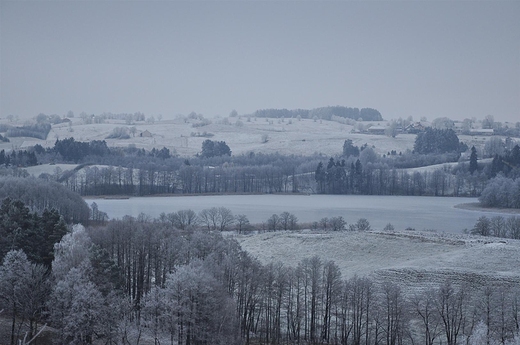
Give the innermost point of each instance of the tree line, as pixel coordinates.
(324, 113)
(507, 164)
(137, 172)
(498, 226)
(21, 158)
(157, 172)
(39, 195)
(352, 177)
(359, 170)
(39, 130)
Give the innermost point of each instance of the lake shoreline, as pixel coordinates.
(475, 206)
(415, 212)
(178, 195)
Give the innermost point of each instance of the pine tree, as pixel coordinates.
(473, 166)
(320, 176)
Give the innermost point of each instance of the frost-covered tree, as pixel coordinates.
(216, 218)
(288, 221)
(332, 288)
(513, 227)
(242, 223)
(498, 226)
(443, 123)
(273, 223)
(391, 129)
(389, 227)
(201, 306)
(451, 304)
(501, 192)
(183, 219)
(424, 308)
(24, 288)
(368, 155)
(154, 312)
(14, 275)
(479, 335)
(363, 225)
(96, 215)
(494, 146)
(395, 317)
(71, 252)
(337, 223)
(312, 269)
(482, 227)
(77, 307)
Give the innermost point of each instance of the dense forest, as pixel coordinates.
(141, 279)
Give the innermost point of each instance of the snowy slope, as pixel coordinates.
(417, 259)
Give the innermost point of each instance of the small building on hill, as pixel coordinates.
(482, 131)
(376, 130)
(146, 134)
(415, 127)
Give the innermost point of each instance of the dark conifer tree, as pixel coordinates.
(473, 166)
(320, 177)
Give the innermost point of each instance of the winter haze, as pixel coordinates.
(454, 59)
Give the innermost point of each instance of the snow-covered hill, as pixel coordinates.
(417, 260)
(242, 134)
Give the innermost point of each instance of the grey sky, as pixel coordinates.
(455, 59)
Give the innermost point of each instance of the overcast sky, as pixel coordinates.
(459, 59)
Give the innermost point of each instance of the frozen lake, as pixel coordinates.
(416, 212)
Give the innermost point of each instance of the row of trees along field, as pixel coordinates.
(142, 173)
(324, 113)
(503, 190)
(359, 170)
(498, 226)
(136, 280)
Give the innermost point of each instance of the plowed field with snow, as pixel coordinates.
(415, 260)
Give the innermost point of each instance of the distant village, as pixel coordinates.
(420, 126)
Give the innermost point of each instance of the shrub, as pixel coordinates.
(363, 225)
(389, 227)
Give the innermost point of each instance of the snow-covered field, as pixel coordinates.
(242, 135)
(421, 259)
(298, 137)
(51, 169)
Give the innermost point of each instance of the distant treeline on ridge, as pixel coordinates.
(325, 113)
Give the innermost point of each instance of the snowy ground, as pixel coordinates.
(243, 135)
(432, 168)
(298, 137)
(51, 169)
(418, 260)
(288, 137)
